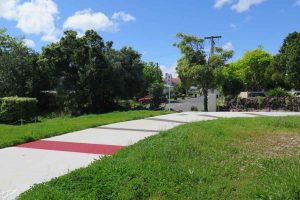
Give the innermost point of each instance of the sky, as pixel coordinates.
(150, 26)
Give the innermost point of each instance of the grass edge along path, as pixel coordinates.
(11, 135)
(222, 159)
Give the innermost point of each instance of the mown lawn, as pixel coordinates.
(255, 158)
(11, 135)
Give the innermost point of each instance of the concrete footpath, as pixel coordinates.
(24, 165)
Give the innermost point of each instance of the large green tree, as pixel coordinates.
(285, 70)
(255, 64)
(89, 74)
(201, 71)
(19, 73)
(251, 70)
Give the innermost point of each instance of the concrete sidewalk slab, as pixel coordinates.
(220, 114)
(102, 136)
(144, 124)
(274, 114)
(21, 168)
(183, 117)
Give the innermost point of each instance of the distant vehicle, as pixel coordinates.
(252, 94)
(145, 100)
(295, 93)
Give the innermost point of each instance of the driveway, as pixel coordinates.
(24, 165)
(186, 104)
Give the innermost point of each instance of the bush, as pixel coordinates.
(16, 108)
(278, 92)
(156, 92)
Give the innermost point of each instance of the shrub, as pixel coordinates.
(156, 92)
(278, 92)
(260, 102)
(15, 108)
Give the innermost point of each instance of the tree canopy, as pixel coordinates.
(19, 73)
(248, 73)
(152, 74)
(90, 73)
(195, 68)
(286, 67)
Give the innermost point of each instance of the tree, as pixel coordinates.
(151, 73)
(89, 74)
(230, 79)
(255, 64)
(201, 71)
(19, 73)
(183, 71)
(286, 68)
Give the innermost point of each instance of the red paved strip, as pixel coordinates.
(72, 147)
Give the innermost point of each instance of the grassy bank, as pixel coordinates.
(11, 135)
(255, 158)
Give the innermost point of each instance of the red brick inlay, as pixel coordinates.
(100, 149)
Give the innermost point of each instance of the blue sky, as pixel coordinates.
(150, 26)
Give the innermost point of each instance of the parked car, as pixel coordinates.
(295, 93)
(145, 100)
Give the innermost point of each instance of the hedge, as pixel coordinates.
(263, 103)
(13, 109)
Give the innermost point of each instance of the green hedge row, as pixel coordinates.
(13, 109)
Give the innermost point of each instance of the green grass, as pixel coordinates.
(11, 135)
(222, 159)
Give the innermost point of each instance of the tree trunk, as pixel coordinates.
(205, 93)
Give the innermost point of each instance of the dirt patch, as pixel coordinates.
(274, 145)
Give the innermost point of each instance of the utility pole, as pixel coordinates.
(212, 43)
(157, 67)
(212, 52)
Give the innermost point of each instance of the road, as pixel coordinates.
(185, 105)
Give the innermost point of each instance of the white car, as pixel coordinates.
(295, 93)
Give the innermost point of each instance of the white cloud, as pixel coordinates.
(239, 5)
(228, 46)
(7, 9)
(86, 19)
(244, 5)
(233, 26)
(32, 17)
(29, 43)
(122, 16)
(221, 3)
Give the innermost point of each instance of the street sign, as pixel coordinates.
(169, 82)
(168, 79)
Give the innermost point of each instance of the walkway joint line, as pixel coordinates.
(256, 114)
(126, 129)
(165, 120)
(211, 116)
